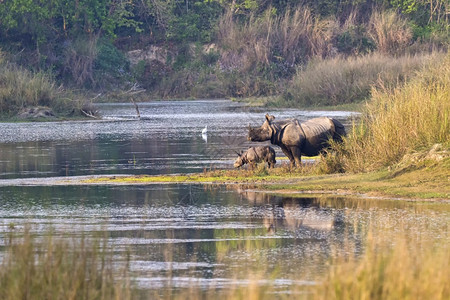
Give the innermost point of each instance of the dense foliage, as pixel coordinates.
(254, 46)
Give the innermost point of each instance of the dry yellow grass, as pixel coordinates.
(398, 121)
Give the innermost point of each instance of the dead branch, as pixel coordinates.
(89, 114)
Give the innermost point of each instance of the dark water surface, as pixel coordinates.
(188, 235)
(166, 140)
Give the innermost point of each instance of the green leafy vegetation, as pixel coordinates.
(216, 48)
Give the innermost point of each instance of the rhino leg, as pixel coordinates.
(297, 156)
(271, 160)
(288, 153)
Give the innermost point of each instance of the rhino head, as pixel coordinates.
(262, 133)
(239, 162)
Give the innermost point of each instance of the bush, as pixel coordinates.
(110, 65)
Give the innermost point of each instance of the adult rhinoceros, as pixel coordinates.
(308, 138)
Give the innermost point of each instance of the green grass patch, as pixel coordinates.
(424, 180)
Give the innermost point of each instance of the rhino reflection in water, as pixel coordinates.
(290, 213)
(294, 138)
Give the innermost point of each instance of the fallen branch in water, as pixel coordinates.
(89, 114)
(134, 90)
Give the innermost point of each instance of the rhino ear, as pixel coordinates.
(270, 118)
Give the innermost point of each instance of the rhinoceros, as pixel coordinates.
(294, 138)
(255, 155)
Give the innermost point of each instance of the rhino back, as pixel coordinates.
(251, 154)
(261, 152)
(289, 134)
(317, 132)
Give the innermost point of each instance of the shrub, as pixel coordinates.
(79, 57)
(110, 65)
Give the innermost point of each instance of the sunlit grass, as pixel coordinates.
(425, 179)
(56, 269)
(340, 80)
(399, 121)
(407, 270)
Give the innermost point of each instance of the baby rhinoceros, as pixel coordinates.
(255, 155)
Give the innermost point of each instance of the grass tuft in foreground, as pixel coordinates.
(404, 271)
(55, 269)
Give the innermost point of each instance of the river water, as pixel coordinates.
(166, 140)
(178, 235)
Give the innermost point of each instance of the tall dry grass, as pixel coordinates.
(397, 261)
(52, 269)
(396, 121)
(21, 88)
(402, 271)
(270, 39)
(390, 32)
(347, 80)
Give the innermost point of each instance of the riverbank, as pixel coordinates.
(426, 181)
